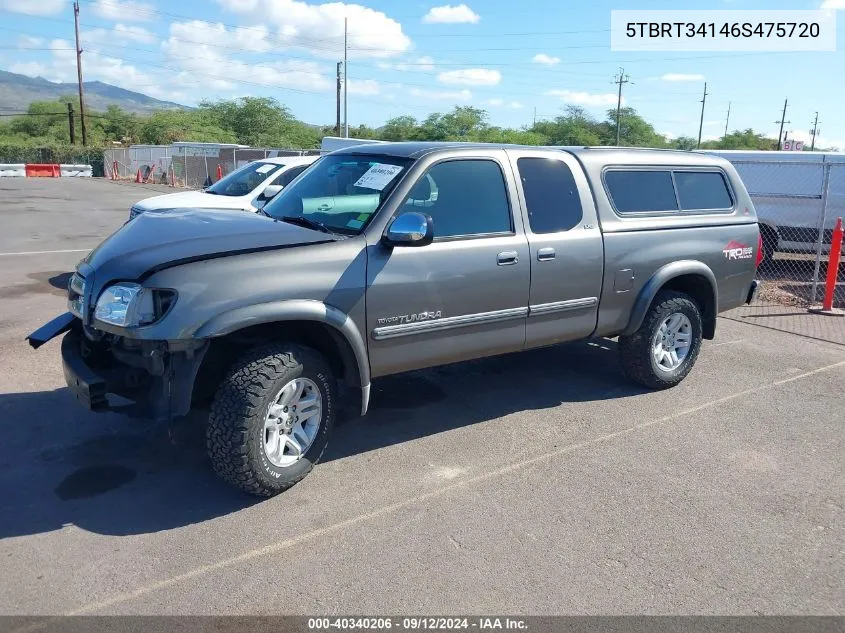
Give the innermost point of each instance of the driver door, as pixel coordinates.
(466, 294)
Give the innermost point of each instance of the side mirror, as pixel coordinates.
(409, 229)
(270, 191)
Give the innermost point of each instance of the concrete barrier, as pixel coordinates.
(76, 171)
(13, 171)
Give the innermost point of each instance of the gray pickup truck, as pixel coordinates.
(386, 258)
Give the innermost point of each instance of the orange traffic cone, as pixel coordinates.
(138, 176)
(219, 172)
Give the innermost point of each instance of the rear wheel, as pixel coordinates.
(663, 350)
(271, 418)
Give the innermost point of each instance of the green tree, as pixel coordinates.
(685, 143)
(400, 128)
(573, 127)
(634, 130)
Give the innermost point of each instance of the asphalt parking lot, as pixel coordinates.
(540, 483)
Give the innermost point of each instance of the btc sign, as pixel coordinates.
(793, 146)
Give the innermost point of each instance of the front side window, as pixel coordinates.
(340, 192)
(551, 194)
(641, 191)
(464, 197)
(243, 181)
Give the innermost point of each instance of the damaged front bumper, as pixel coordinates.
(153, 379)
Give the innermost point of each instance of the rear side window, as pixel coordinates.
(661, 191)
(702, 190)
(465, 198)
(551, 194)
(641, 191)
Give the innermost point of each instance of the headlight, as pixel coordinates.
(128, 304)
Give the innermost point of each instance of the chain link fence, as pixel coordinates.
(189, 166)
(797, 203)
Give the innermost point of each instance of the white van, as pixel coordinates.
(787, 188)
(248, 188)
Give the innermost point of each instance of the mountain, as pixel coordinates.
(18, 91)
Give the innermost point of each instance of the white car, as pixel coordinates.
(248, 188)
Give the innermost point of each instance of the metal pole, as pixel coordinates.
(820, 239)
(345, 79)
(79, 73)
(339, 84)
(815, 131)
(782, 121)
(70, 123)
(701, 122)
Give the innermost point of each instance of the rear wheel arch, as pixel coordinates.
(692, 278)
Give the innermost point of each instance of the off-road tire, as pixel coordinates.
(638, 362)
(770, 242)
(235, 434)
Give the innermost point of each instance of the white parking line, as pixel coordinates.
(274, 548)
(72, 250)
(739, 340)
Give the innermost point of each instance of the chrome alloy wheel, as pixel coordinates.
(292, 422)
(671, 342)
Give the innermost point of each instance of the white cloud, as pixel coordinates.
(420, 64)
(833, 4)
(34, 7)
(585, 98)
(682, 77)
(471, 77)
(125, 10)
(821, 141)
(501, 103)
(364, 87)
(189, 47)
(548, 60)
(447, 14)
(33, 69)
(119, 33)
(318, 28)
(134, 33)
(28, 41)
(441, 95)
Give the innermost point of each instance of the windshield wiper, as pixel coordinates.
(307, 223)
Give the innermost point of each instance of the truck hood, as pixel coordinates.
(195, 200)
(162, 239)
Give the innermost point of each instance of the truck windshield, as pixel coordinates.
(243, 181)
(341, 192)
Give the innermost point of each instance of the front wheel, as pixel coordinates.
(271, 418)
(663, 350)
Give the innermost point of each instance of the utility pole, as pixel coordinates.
(70, 123)
(345, 79)
(337, 124)
(620, 79)
(701, 122)
(782, 121)
(814, 132)
(79, 73)
(727, 119)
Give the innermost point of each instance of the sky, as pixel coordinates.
(517, 60)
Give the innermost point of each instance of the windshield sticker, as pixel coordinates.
(378, 176)
(354, 224)
(364, 217)
(265, 168)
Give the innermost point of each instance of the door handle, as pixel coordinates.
(507, 258)
(545, 254)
